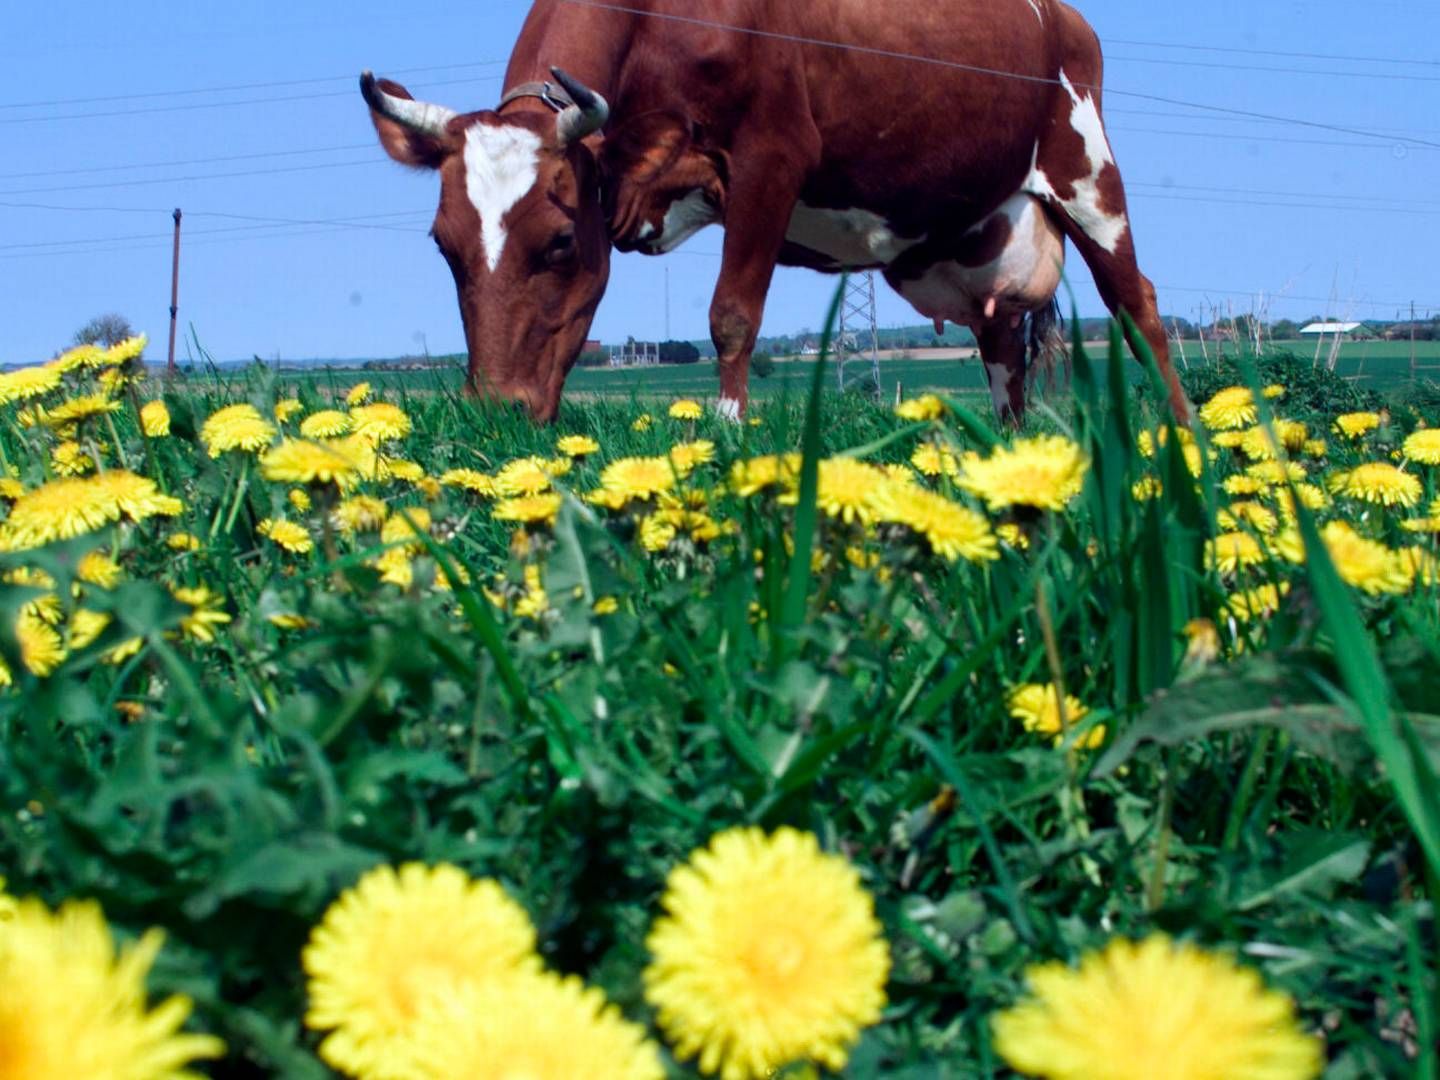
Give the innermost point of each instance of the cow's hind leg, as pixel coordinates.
(1002, 348)
(1076, 176)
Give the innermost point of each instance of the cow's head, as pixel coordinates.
(521, 225)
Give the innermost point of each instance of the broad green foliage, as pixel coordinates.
(1109, 680)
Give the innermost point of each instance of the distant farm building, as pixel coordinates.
(1326, 329)
(635, 354)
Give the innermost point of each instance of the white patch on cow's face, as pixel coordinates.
(1107, 230)
(851, 238)
(501, 166)
(998, 375)
(683, 220)
(728, 409)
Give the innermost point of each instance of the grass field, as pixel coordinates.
(943, 705)
(1380, 365)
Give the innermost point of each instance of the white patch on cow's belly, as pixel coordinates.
(1107, 230)
(501, 166)
(848, 237)
(1022, 278)
(683, 220)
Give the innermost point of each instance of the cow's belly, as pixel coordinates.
(846, 239)
(1006, 266)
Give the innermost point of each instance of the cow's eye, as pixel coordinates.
(561, 249)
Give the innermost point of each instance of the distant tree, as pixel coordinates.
(678, 352)
(595, 358)
(1285, 329)
(109, 329)
(762, 364)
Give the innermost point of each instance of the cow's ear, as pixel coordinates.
(645, 146)
(412, 132)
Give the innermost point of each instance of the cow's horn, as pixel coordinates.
(418, 116)
(586, 116)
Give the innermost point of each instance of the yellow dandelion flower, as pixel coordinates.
(1276, 472)
(1256, 515)
(136, 497)
(642, 423)
(1140, 1010)
(1202, 642)
(1243, 485)
(26, 384)
(299, 461)
(769, 954)
(360, 513)
(41, 648)
(74, 1005)
(1257, 603)
(925, 407)
(952, 531)
(1258, 445)
(657, 533)
(124, 651)
(98, 569)
(85, 629)
(287, 408)
(1357, 424)
(389, 942)
(398, 530)
(396, 567)
(686, 457)
(388, 468)
(289, 620)
(1146, 441)
(359, 394)
(300, 499)
(1228, 440)
(183, 541)
(530, 1025)
(288, 535)
(609, 500)
(1366, 564)
(1378, 482)
(70, 459)
(638, 477)
(205, 613)
(577, 445)
(1011, 534)
(236, 427)
(1315, 448)
(471, 480)
(1229, 410)
(846, 491)
(1273, 391)
(1045, 472)
(122, 352)
(933, 460)
(1146, 489)
(686, 409)
(606, 605)
(155, 419)
(78, 409)
(529, 509)
(380, 422)
(535, 602)
(1422, 565)
(526, 476)
(65, 509)
(326, 424)
(1037, 706)
(759, 474)
(1422, 525)
(10, 488)
(1230, 551)
(1423, 446)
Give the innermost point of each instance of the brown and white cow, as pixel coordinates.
(954, 146)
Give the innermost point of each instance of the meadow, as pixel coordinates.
(393, 735)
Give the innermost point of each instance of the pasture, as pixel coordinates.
(1031, 697)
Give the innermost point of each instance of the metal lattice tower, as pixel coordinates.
(859, 333)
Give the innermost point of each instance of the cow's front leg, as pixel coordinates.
(756, 217)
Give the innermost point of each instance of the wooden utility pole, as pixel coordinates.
(174, 296)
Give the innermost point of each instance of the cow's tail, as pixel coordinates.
(1045, 346)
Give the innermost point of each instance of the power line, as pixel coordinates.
(1170, 61)
(1273, 52)
(976, 69)
(234, 87)
(185, 163)
(377, 160)
(358, 222)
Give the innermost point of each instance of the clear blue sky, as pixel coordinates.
(1224, 207)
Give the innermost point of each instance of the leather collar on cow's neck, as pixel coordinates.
(552, 94)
